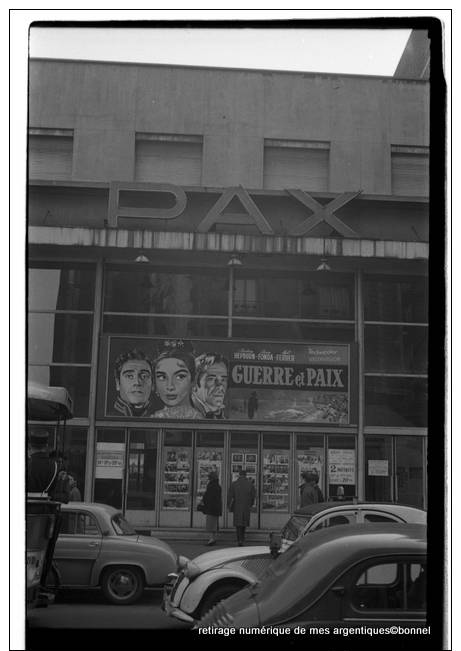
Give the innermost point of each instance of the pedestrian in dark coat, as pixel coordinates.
(240, 499)
(42, 472)
(212, 506)
(309, 491)
(317, 488)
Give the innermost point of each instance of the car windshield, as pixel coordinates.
(294, 527)
(122, 527)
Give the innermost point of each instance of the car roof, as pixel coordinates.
(322, 556)
(369, 536)
(95, 507)
(392, 507)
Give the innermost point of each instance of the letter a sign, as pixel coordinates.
(252, 211)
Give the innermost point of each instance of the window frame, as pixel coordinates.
(354, 574)
(78, 513)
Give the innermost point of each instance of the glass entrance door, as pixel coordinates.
(244, 453)
(310, 457)
(378, 468)
(141, 476)
(110, 467)
(209, 456)
(409, 463)
(275, 493)
(176, 479)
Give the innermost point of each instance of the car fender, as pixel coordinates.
(196, 589)
(155, 563)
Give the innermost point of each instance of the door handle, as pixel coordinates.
(93, 544)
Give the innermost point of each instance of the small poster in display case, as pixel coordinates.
(245, 460)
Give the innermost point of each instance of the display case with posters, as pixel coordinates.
(341, 473)
(275, 492)
(176, 478)
(208, 460)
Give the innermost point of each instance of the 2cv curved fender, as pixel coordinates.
(196, 589)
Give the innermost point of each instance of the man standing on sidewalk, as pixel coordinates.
(42, 472)
(240, 499)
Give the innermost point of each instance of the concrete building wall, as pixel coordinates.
(234, 111)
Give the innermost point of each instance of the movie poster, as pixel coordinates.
(157, 378)
(341, 467)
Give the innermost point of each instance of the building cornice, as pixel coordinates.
(261, 71)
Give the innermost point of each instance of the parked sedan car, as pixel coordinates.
(373, 575)
(97, 547)
(199, 584)
(324, 514)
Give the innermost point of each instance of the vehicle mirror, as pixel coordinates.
(338, 590)
(105, 532)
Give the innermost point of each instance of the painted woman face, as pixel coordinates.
(173, 382)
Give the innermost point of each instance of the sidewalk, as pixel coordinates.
(193, 548)
(226, 536)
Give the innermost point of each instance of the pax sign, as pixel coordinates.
(250, 212)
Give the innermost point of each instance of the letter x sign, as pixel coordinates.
(323, 213)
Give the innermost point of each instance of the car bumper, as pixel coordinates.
(170, 609)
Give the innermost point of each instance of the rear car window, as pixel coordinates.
(376, 517)
(335, 519)
(122, 527)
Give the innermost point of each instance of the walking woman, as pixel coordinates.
(212, 506)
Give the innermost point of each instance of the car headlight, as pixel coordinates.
(191, 570)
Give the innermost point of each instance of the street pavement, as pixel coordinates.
(79, 610)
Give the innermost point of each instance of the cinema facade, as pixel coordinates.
(286, 245)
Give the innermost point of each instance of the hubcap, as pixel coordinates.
(122, 584)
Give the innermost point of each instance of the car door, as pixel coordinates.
(384, 591)
(78, 547)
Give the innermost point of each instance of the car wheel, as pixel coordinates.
(217, 594)
(122, 585)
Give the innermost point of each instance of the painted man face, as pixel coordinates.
(173, 382)
(135, 382)
(214, 385)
